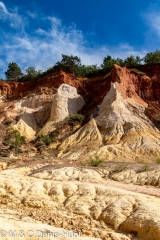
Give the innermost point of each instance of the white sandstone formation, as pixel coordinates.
(124, 132)
(65, 103)
(84, 140)
(24, 130)
(125, 127)
(32, 112)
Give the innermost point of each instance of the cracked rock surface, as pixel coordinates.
(78, 200)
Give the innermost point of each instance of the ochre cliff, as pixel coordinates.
(120, 102)
(146, 86)
(143, 88)
(47, 84)
(152, 71)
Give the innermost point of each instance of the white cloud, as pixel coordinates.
(154, 21)
(3, 7)
(31, 14)
(43, 47)
(11, 17)
(151, 19)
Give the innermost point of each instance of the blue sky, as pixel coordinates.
(36, 33)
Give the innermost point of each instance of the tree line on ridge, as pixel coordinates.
(73, 65)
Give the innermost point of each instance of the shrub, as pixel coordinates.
(140, 161)
(8, 123)
(1, 109)
(138, 72)
(18, 150)
(45, 139)
(75, 118)
(143, 168)
(96, 161)
(158, 160)
(14, 160)
(14, 139)
(4, 154)
(54, 134)
(119, 169)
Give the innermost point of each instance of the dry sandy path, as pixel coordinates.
(148, 190)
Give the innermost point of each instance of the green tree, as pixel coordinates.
(132, 61)
(138, 60)
(69, 63)
(14, 72)
(152, 57)
(31, 72)
(108, 63)
(89, 70)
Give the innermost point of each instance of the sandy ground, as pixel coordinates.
(57, 163)
(148, 190)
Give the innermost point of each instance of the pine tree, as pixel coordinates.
(14, 72)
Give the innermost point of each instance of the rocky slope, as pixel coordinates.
(121, 129)
(120, 200)
(79, 200)
(119, 126)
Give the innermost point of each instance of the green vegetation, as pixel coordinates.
(132, 61)
(13, 139)
(43, 141)
(55, 133)
(1, 109)
(8, 123)
(119, 169)
(143, 168)
(158, 160)
(108, 63)
(72, 64)
(14, 72)
(46, 139)
(89, 71)
(140, 161)
(75, 119)
(138, 72)
(96, 161)
(18, 151)
(4, 154)
(32, 72)
(14, 160)
(69, 63)
(152, 57)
